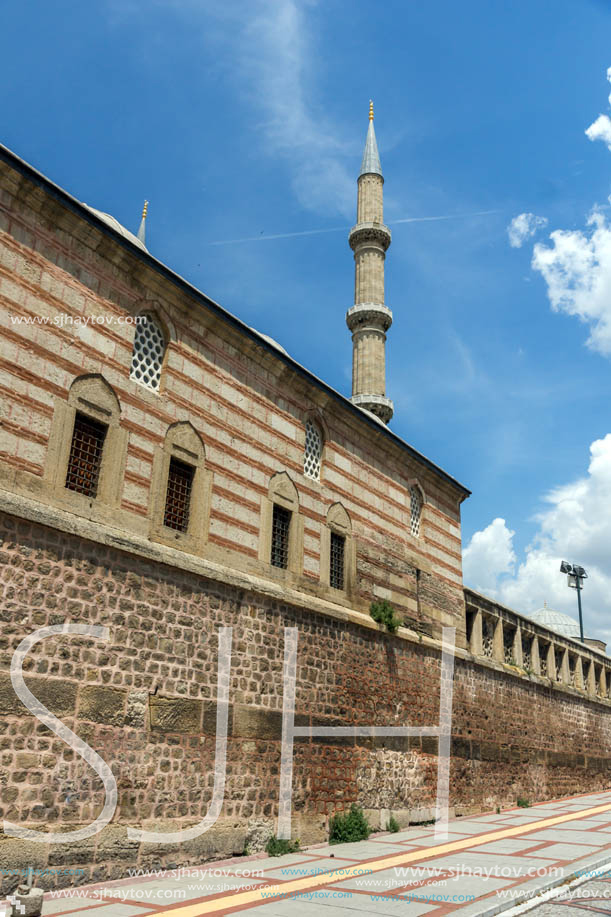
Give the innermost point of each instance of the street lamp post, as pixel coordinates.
(575, 578)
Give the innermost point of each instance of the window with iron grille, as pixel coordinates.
(415, 505)
(313, 451)
(149, 349)
(178, 495)
(336, 565)
(281, 521)
(85, 457)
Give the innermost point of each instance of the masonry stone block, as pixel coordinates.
(175, 714)
(102, 704)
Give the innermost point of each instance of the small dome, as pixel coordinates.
(114, 224)
(557, 621)
(270, 340)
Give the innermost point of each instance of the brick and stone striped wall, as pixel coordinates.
(249, 405)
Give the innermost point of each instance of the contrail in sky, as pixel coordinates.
(314, 232)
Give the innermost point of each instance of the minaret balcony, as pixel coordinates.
(369, 314)
(375, 234)
(381, 407)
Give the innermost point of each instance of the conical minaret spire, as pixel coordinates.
(369, 319)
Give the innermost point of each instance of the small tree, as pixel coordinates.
(384, 613)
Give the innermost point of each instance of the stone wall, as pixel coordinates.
(145, 701)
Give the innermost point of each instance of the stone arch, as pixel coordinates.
(183, 436)
(282, 490)
(339, 520)
(93, 395)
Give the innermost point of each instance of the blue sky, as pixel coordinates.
(247, 119)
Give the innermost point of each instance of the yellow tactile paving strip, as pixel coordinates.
(253, 897)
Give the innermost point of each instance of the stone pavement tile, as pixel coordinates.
(185, 889)
(112, 909)
(490, 864)
(564, 851)
(387, 879)
(324, 908)
(374, 905)
(561, 835)
(362, 850)
(520, 820)
(474, 827)
(326, 864)
(582, 824)
(273, 862)
(59, 905)
(507, 845)
(431, 841)
(408, 835)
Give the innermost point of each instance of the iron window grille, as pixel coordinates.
(149, 350)
(415, 505)
(313, 451)
(281, 522)
(178, 495)
(85, 459)
(336, 565)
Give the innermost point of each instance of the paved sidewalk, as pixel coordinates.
(488, 864)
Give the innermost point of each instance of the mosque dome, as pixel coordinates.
(118, 227)
(270, 340)
(557, 621)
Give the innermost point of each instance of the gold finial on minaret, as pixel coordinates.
(370, 110)
(142, 230)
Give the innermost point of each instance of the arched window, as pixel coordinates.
(281, 535)
(337, 557)
(415, 506)
(87, 447)
(149, 350)
(180, 490)
(313, 451)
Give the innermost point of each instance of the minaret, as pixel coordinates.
(369, 319)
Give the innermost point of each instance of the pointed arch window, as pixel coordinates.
(180, 490)
(337, 556)
(312, 456)
(87, 447)
(148, 353)
(415, 505)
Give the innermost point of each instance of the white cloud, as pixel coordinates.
(601, 128)
(577, 265)
(488, 556)
(268, 52)
(523, 227)
(577, 270)
(575, 526)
